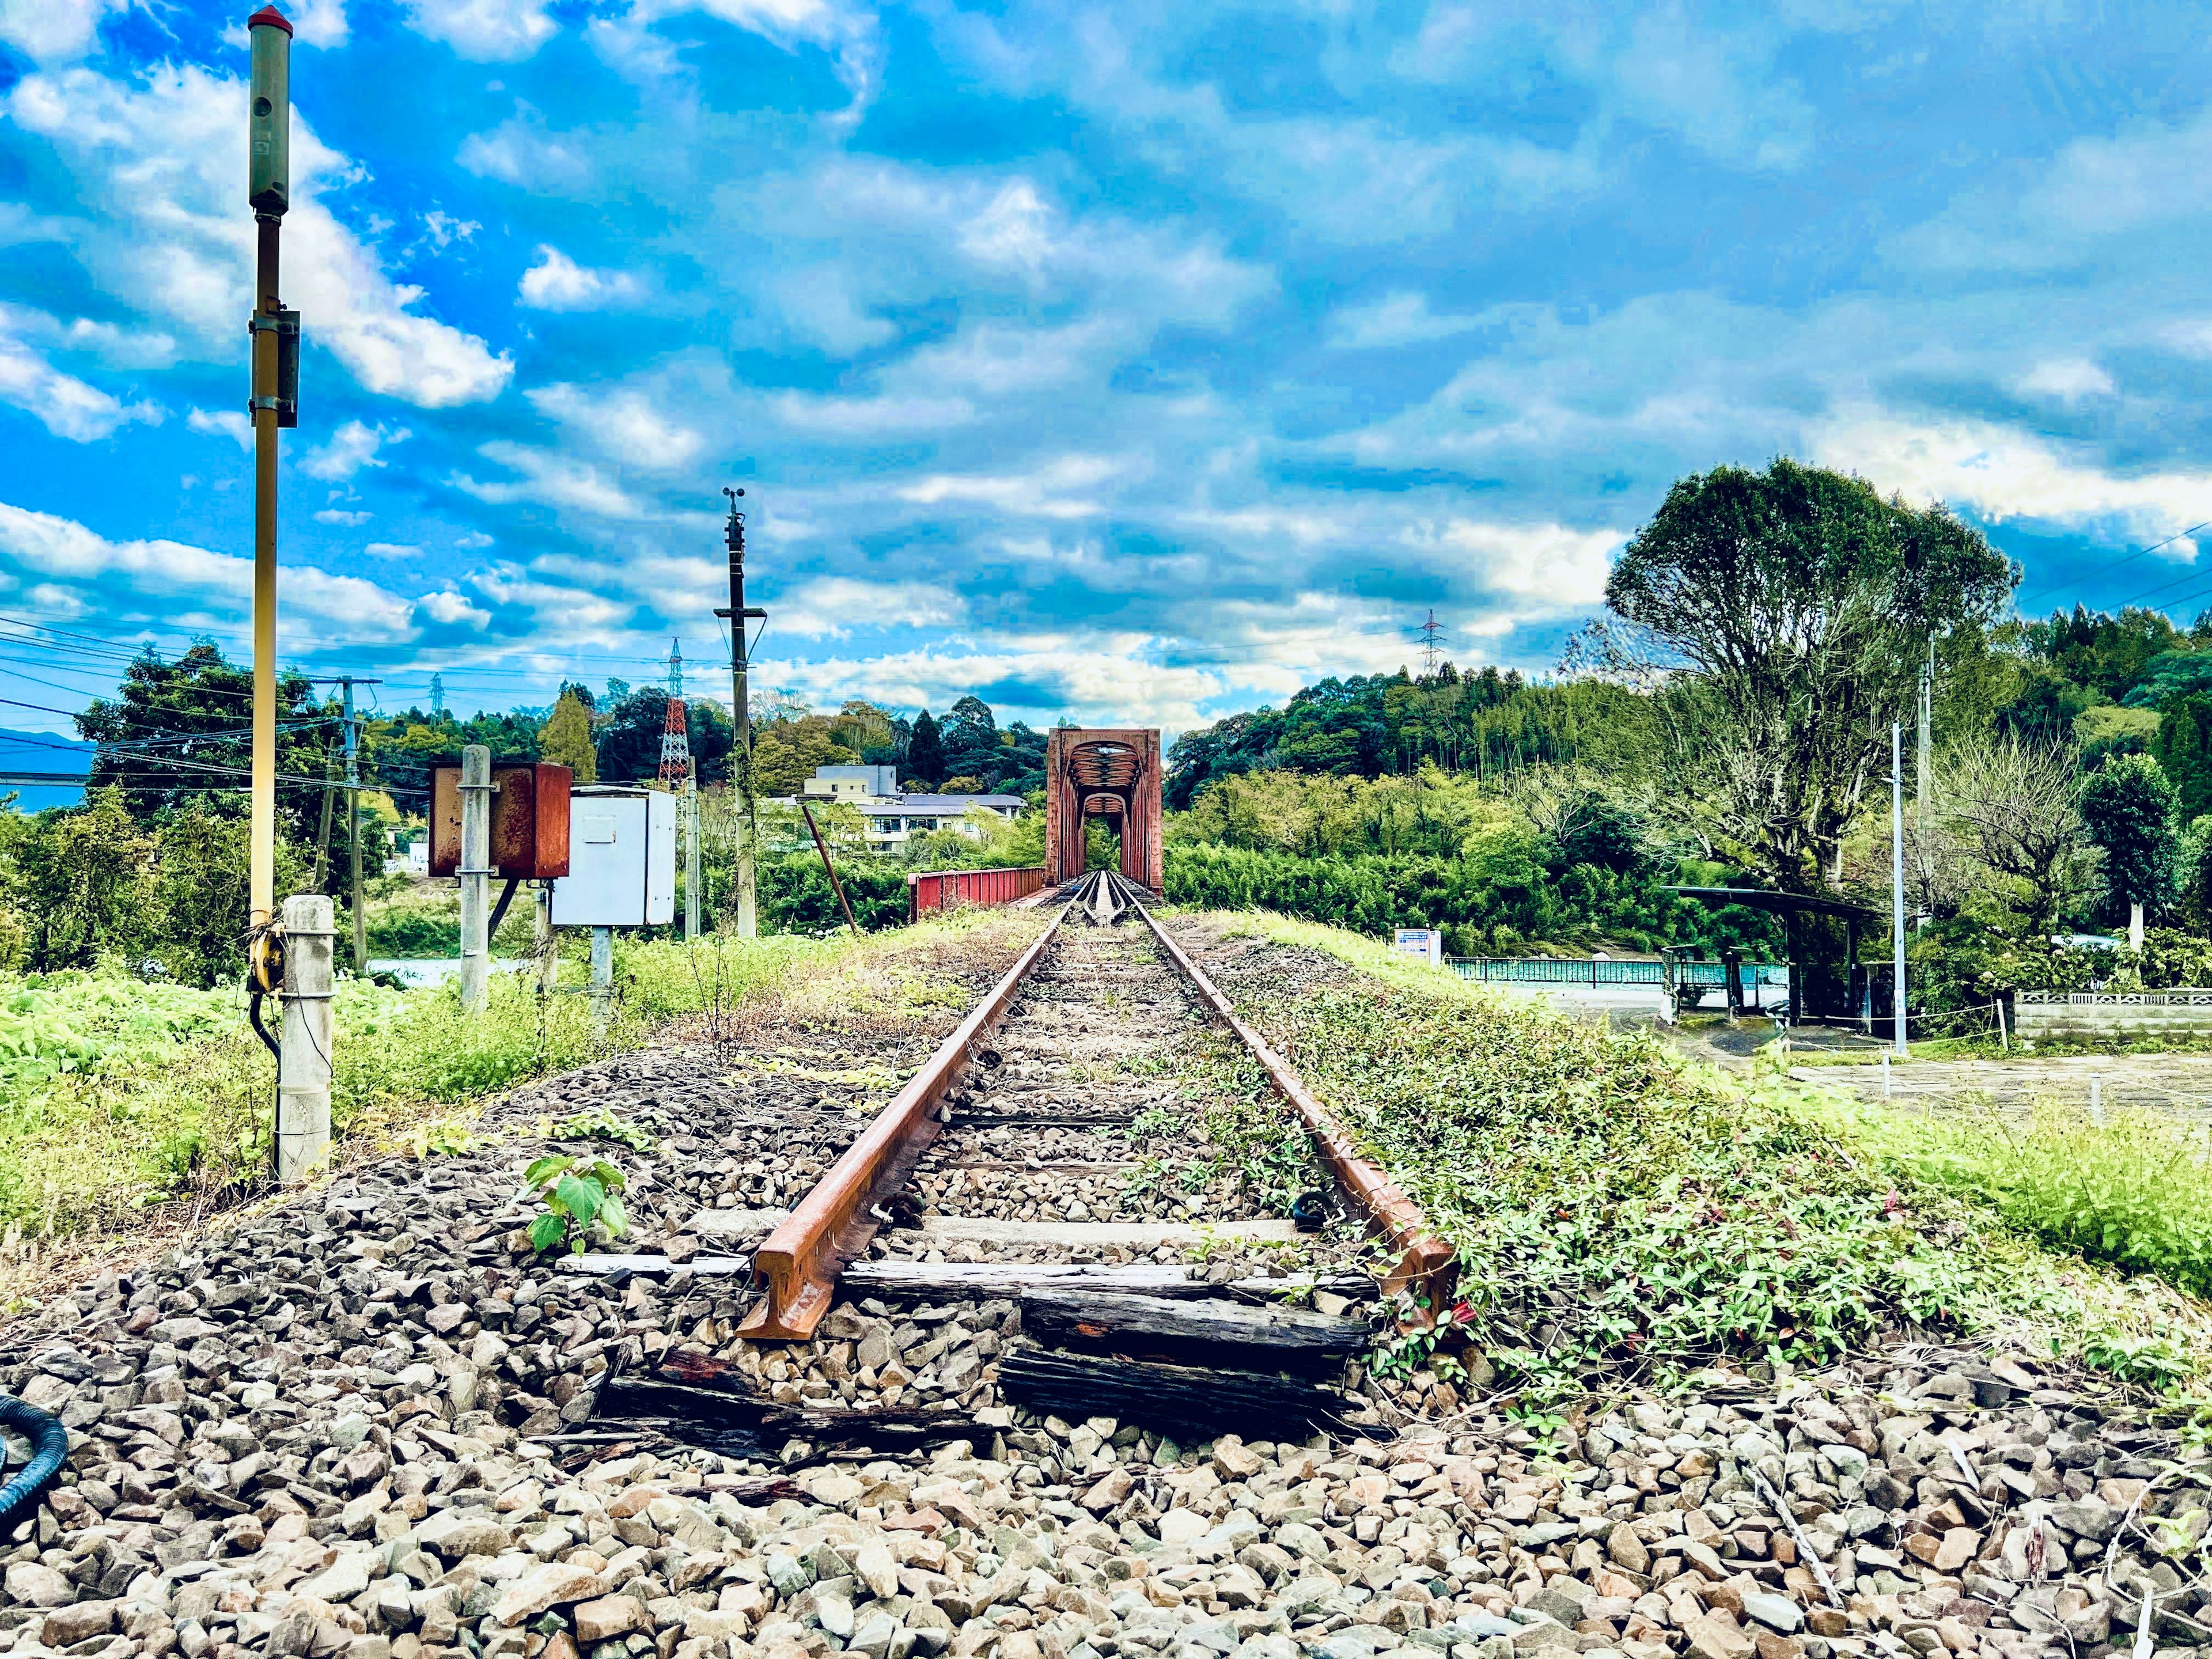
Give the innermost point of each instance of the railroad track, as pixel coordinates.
(1076, 1169)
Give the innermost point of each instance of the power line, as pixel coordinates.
(2060, 588)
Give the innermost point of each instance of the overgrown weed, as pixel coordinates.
(1620, 1210)
(137, 1095)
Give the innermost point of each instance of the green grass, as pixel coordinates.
(2134, 1191)
(116, 1095)
(1620, 1210)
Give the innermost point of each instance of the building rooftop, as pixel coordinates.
(940, 805)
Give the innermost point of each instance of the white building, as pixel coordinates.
(891, 821)
(852, 783)
(892, 818)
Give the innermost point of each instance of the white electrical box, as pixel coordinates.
(621, 859)
(1426, 943)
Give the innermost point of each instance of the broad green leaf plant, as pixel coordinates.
(582, 1196)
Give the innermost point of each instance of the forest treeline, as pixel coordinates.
(1725, 723)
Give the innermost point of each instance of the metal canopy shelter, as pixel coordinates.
(1811, 1001)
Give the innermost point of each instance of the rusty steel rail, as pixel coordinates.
(797, 1264)
(1425, 1262)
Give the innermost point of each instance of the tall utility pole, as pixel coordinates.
(350, 729)
(1430, 630)
(741, 715)
(353, 832)
(273, 330)
(1924, 761)
(1897, 870)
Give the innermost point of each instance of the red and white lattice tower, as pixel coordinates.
(675, 740)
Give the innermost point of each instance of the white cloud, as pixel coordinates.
(229, 423)
(390, 550)
(180, 581)
(556, 283)
(1549, 567)
(452, 608)
(521, 153)
(351, 448)
(832, 607)
(473, 540)
(2069, 379)
(484, 31)
(338, 515)
(2003, 474)
(1401, 318)
(1051, 491)
(54, 31)
(551, 479)
(66, 406)
(632, 426)
(320, 22)
(157, 163)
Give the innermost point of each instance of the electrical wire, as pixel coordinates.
(2060, 588)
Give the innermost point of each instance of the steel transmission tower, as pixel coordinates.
(1431, 631)
(675, 739)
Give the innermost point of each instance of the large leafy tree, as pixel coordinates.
(2183, 747)
(178, 729)
(630, 741)
(2014, 802)
(567, 739)
(786, 752)
(924, 752)
(1789, 611)
(2129, 807)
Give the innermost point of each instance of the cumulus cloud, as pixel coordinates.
(556, 283)
(319, 23)
(549, 478)
(158, 161)
(1061, 488)
(350, 519)
(54, 31)
(65, 406)
(2068, 380)
(176, 580)
(1399, 319)
(485, 30)
(834, 607)
(351, 448)
(2004, 474)
(229, 423)
(1547, 569)
(635, 425)
(454, 610)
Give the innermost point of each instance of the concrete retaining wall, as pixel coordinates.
(2092, 1014)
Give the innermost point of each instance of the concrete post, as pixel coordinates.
(603, 976)
(303, 1070)
(476, 876)
(549, 943)
(691, 861)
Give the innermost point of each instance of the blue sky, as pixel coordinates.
(1137, 363)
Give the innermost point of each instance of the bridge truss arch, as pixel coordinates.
(1106, 772)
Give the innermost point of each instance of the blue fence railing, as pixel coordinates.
(1555, 970)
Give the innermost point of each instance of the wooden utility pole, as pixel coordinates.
(741, 749)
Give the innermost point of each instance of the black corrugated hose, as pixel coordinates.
(49, 1450)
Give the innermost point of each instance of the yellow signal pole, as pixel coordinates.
(269, 190)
